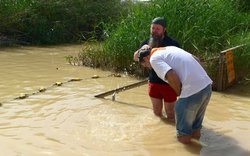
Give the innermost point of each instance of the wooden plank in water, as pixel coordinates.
(117, 90)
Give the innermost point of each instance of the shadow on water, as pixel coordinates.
(168, 122)
(240, 89)
(218, 144)
(194, 148)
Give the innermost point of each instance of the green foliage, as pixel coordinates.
(242, 5)
(203, 28)
(125, 39)
(56, 21)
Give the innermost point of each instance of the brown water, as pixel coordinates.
(68, 120)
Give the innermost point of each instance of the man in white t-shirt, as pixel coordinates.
(182, 71)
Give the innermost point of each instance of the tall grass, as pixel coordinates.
(203, 28)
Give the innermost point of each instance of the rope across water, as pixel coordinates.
(56, 84)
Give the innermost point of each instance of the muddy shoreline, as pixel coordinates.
(8, 41)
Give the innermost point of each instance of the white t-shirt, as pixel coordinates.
(191, 74)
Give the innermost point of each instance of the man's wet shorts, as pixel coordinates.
(162, 91)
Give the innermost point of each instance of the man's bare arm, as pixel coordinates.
(174, 81)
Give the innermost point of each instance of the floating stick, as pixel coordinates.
(127, 87)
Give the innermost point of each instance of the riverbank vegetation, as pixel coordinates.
(116, 28)
(204, 28)
(56, 21)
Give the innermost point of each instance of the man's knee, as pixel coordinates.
(157, 109)
(157, 106)
(169, 108)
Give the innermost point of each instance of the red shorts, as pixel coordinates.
(162, 91)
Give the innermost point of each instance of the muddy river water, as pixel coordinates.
(67, 120)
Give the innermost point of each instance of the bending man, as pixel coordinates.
(189, 80)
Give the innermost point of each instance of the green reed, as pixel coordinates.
(203, 28)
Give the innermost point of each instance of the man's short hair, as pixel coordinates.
(143, 53)
(160, 20)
